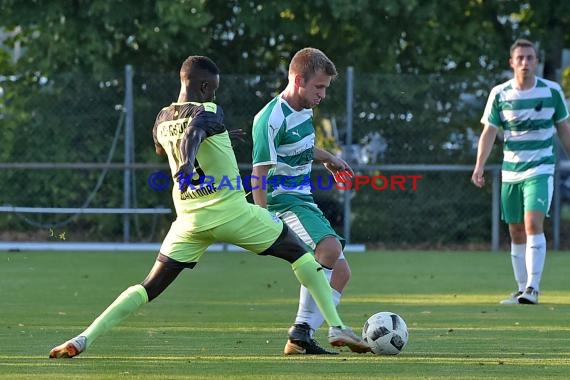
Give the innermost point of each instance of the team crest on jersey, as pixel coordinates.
(275, 218)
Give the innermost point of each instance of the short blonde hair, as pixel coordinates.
(308, 61)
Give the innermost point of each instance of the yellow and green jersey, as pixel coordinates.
(215, 186)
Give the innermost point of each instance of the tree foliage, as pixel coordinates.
(98, 36)
(254, 36)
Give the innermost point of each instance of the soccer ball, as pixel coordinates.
(386, 333)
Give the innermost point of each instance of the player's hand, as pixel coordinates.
(477, 177)
(184, 175)
(237, 136)
(337, 165)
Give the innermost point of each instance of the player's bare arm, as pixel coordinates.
(484, 148)
(563, 131)
(237, 136)
(157, 146)
(159, 150)
(189, 144)
(259, 191)
(333, 164)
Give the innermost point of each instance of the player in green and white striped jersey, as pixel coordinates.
(530, 111)
(283, 152)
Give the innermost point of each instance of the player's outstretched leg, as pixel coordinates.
(310, 274)
(127, 303)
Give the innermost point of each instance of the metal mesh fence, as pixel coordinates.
(397, 121)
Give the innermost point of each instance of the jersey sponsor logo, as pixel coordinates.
(197, 193)
(172, 129)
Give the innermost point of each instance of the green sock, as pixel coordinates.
(125, 304)
(311, 275)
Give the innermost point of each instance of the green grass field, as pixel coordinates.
(228, 318)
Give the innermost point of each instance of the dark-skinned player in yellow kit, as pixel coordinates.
(192, 135)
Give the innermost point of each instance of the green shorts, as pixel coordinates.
(533, 194)
(254, 229)
(304, 217)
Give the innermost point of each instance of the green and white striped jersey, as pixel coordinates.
(284, 138)
(528, 120)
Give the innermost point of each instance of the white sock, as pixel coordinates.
(318, 319)
(535, 257)
(308, 311)
(519, 265)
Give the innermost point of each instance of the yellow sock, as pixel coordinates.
(312, 276)
(126, 304)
